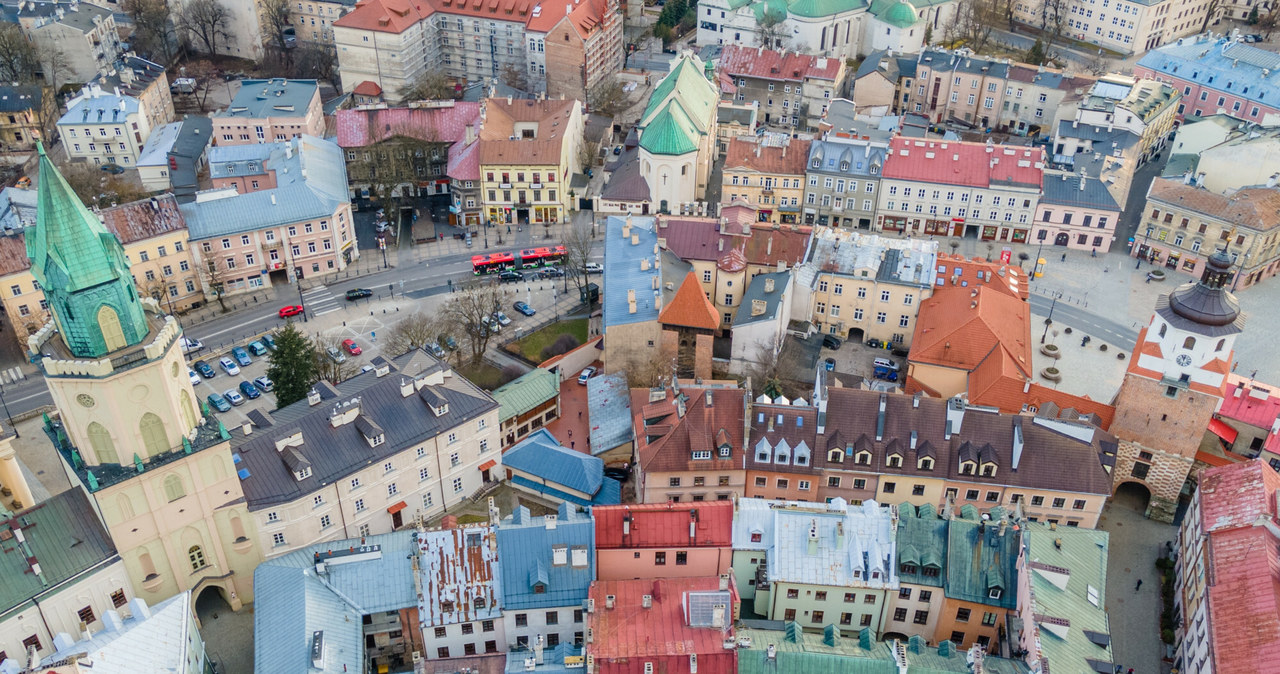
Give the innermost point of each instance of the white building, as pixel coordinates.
(678, 135)
(104, 128)
(761, 322)
(1125, 26)
(459, 605)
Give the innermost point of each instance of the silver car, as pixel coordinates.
(335, 355)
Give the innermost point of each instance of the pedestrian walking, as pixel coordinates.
(573, 445)
(1138, 586)
(1130, 670)
(579, 414)
(1064, 257)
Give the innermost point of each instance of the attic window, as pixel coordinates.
(702, 454)
(817, 163)
(988, 470)
(446, 607)
(895, 461)
(479, 602)
(725, 450)
(835, 456)
(995, 593)
(863, 457)
(559, 555)
(578, 555)
(756, 537)
(968, 468)
(473, 539)
(441, 410)
(844, 166)
(302, 474)
(926, 464)
(762, 457)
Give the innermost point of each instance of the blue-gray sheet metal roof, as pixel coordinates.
(297, 197)
(525, 545)
(100, 109)
(291, 602)
(622, 270)
(337, 452)
(1065, 190)
(1223, 65)
(271, 98)
(609, 403)
(541, 455)
(756, 291)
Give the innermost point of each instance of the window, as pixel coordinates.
(1059, 502)
(921, 617)
(1037, 500)
(793, 593)
(117, 600)
(32, 641)
(962, 615)
(817, 617)
(762, 481)
(925, 595)
(995, 593)
(659, 558)
(988, 618)
(682, 558)
(359, 505)
(195, 554)
(957, 637)
(86, 615)
(782, 483)
(457, 485)
(392, 489)
(673, 482)
(325, 522)
(1078, 504)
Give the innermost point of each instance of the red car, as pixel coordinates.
(292, 310)
(351, 347)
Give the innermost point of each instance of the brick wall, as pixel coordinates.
(565, 58)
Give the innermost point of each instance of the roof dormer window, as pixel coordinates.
(862, 458)
(925, 464)
(895, 461)
(968, 468)
(836, 456)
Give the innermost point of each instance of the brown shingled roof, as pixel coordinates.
(13, 255)
(752, 155)
(1257, 208)
(143, 219)
(669, 445)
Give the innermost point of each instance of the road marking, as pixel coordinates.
(29, 397)
(241, 326)
(326, 311)
(314, 290)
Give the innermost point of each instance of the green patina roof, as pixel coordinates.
(81, 267)
(1082, 552)
(921, 541)
(813, 9)
(774, 9)
(65, 538)
(680, 110)
(894, 12)
(526, 392)
(979, 558)
(831, 652)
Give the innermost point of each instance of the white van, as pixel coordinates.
(885, 363)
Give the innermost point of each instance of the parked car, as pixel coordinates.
(616, 473)
(229, 365)
(524, 308)
(291, 310)
(195, 378)
(189, 344)
(219, 403)
(617, 150)
(510, 276)
(357, 293)
(113, 169)
(831, 342)
(249, 390)
(233, 396)
(501, 318)
(351, 347)
(586, 374)
(241, 355)
(204, 369)
(269, 341)
(335, 355)
(257, 349)
(552, 272)
(875, 343)
(449, 342)
(885, 363)
(435, 349)
(593, 268)
(264, 384)
(886, 374)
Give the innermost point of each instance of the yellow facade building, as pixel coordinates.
(767, 174)
(529, 153)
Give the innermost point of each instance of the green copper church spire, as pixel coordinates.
(83, 271)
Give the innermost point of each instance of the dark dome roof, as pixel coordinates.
(1208, 302)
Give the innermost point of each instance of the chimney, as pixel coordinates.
(1271, 182)
(246, 428)
(955, 416)
(813, 537)
(1004, 523)
(537, 650)
(608, 601)
(840, 535)
(313, 397)
(645, 602)
(1083, 178)
(768, 284)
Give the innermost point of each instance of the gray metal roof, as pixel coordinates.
(292, 602)
(609, 402)
(18, 97)
(1064, 189)
(271, 98)
(161, 140)
(152, 639)
(311, 182)
(337, 452)
(78, 15)
(756, 291)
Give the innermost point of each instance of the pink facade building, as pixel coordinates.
(663, 540)
(268, 111)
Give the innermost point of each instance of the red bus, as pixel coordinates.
(541, 257)
(492, 263)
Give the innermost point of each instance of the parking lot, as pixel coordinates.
(858, 359)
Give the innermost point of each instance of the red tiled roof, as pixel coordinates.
(586, 17)
(692, 238)
(690, 308)
(960, 327)
(628, 635)
(958, 163)
(998, 383)
(656, 525)
(1009, 279)
(769, 64)
(1244, 583)
(1249, 402)
(447, 124)
(13, 255)
(367, 88)
(386, 16)
(752, 154)
(464, 161)
(501, 116)
(665, 441)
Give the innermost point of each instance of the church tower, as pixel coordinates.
(129, 426)
(1174, 385)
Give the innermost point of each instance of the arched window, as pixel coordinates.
(109, 325)
(125, 506)
(148, 567)
(103, 448)
(153, 437)
(1189, 343)
(1221, 343)
(196, 555)
(173, 489)
(1163, 329)
(188, 411)
(237, 528)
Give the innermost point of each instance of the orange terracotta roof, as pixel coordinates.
(690, 307)
(960, 327)
(998, 383)
(367, 88)
(1152, 349)
(1218, 365)
(1216, 460)
(386, 16)
(746, 154)
(552, 117)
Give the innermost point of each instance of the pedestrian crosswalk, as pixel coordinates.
(320, 300)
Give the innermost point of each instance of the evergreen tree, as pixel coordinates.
(293, 365)
(1035, 55)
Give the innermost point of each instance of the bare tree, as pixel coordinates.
(1097, 64)
(578, 243)
(514, 77)
(412, 332)
(770, 29)
(1053, 23)
(607, 97)
(765, 369)
(313, 61)
(649, 370)
(54, 65)
(206, 20)
(206, 77)
(19, 60)
(153, 32)
(433, 85)
(470, 310)
(275, 18)
(974, 21)
(1268, 21)
(214, 276)
(96, 188)
(328, 367)
(1210, 13)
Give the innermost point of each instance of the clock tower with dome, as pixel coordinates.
(129, 427)
(1174, 385)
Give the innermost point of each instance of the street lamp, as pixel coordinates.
(1146, 239)
(298, 279)
(16, 434)
(1049, 321)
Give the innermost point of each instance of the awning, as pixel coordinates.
(1219, 428)
(397, 507)
(488, 464)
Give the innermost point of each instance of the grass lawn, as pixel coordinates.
(483, 375)
(531, 345)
